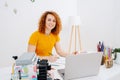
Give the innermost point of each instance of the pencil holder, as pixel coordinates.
(108, 63)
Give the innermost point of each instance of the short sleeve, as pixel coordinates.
(57, 38)
(33, 38)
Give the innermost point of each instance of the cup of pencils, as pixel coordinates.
(108, 63)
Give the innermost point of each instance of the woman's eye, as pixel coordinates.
(49, 19)
(54, 20)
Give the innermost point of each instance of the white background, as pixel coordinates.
(100, 21)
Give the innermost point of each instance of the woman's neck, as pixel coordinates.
(47, 32)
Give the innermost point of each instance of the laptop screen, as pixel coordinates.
(82, 65)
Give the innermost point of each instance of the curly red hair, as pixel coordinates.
(41, 24)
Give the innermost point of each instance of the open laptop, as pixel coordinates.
(81, 65)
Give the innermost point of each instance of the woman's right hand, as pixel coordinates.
(53, 58)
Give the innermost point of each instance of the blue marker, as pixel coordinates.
(102, 47)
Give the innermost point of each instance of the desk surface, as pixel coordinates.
(112, 73)
(104, 73)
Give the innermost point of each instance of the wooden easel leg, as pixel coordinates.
(79, 38)
(75, 39)
(71, 38)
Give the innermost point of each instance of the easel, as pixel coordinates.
(75, 30)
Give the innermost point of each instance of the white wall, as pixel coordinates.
(100, 22)
(117, 22)
(15, 29)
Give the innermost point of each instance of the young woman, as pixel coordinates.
(46, 37)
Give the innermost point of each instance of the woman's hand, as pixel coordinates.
(75, 52)
(78, 52)
(53, 58)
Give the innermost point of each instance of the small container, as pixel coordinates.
(108, 63)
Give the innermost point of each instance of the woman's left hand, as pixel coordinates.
(75, 53)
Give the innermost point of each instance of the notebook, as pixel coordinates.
(26, 58)
(81, 65)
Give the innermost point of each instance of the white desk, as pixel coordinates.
(104, 74)
(112, 73)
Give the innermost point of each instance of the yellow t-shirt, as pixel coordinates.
(44, 43)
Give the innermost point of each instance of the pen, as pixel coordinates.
(54, 65)
(19, 73)
(51, 54)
